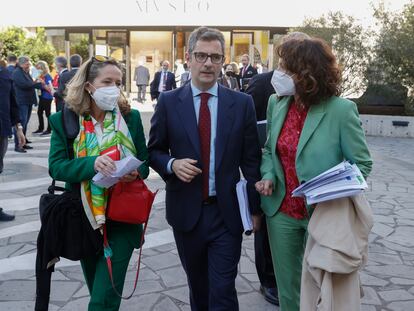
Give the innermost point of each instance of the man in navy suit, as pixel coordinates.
(247, 72)
(164, 80)
(201, 135)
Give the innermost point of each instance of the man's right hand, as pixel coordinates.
(264, 187)
(185, 169)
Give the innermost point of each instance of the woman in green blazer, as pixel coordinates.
(309, 130)
(109, 130)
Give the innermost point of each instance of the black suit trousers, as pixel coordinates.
(210, 254)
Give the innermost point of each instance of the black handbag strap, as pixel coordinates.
(70, 121)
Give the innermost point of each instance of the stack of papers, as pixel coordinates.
(246, 217)
(343, 180)
(123, 167)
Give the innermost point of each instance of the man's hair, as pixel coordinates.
(62, 61)
(11, 58)
(204, 34)
(23, 60)
(75, 60)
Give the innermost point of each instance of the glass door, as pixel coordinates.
(150, 48)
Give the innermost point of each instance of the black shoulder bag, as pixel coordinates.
(65, 230)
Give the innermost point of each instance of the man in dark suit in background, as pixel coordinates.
(164, 80)
(260, 89)
(247, 72)
(11, 63)
(65, 76)
(201, 135)
(24, 87)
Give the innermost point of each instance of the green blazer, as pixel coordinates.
(332, 133)
(76, 170)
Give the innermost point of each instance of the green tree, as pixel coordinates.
(38, 48)
(17, 41)
(11, 41)
(350, 44)
(82, 48)
(394, 47)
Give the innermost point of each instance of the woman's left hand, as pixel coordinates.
(130, 177)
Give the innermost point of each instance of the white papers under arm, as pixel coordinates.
(246, 217)
(123, 167)
(340, 181)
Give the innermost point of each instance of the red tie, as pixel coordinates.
(204, 131)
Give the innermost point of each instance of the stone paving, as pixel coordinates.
(388, 278)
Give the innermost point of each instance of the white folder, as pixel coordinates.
(246, 217)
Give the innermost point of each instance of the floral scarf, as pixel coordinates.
(116, 136)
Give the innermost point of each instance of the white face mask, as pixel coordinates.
(283, 83)
(106, 98)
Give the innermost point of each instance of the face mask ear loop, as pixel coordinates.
(90, 93)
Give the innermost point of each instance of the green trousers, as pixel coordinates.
(287, 238)
(95, 270)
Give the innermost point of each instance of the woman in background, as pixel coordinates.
(229, 79)
(45, 98)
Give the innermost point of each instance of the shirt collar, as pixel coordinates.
(212, 91)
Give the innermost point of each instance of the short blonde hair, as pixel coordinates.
(44, 66)
(78, 98)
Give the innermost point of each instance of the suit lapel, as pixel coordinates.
(278, 118)
(185, 109)
(314, 117)
(225, 118)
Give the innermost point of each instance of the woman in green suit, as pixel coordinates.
(310, 129)
(109, 130)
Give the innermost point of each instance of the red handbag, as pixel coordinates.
(128, 202)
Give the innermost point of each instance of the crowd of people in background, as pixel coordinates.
(24, 86)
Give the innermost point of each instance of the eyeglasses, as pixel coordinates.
(201, 57)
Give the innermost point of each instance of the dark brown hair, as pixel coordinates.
(313, 67)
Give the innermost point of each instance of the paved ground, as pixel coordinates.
(388, 279)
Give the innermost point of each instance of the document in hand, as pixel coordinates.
(342, 180)
(123, 167)
(241, 190)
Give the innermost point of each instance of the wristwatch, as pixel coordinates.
(19, 126)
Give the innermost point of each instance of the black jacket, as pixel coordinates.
(9, 111)
(260, 89)
(24, 87)
(64, 78)
(169, 84)
(244, 79)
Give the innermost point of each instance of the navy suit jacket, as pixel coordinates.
(9, 111)
(64, 79)
(169, 84)
(174, 134)
(24, 87)
(260, 89)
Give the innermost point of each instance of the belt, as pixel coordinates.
(210, 200)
